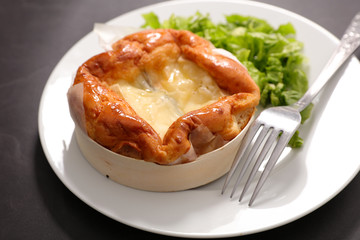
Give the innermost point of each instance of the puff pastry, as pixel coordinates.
(108, 118)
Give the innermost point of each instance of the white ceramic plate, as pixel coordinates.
(308, 178)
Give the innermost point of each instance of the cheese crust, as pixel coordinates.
(100, 107)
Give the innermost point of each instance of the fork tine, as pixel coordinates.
(250, 156)
(264, 151)
(243, 146)
(282, 142)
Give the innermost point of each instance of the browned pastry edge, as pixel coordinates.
(111, 121)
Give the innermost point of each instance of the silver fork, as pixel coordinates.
(273, 128)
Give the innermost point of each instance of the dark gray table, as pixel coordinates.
(34, 204)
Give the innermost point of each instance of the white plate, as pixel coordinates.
(308, 179)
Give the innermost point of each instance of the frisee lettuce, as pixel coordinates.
(272, 56)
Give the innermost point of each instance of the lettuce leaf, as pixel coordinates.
(151, 20)
(272, 56)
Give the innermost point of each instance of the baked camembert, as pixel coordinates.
(164, 96)
(183, 87)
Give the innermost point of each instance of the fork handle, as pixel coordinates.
(348, 44)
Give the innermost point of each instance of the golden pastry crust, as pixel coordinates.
(109, 120)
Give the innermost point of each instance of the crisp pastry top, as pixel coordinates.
(164, 96)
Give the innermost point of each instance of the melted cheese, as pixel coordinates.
(183, 87)
(191, 86)
(154, 106)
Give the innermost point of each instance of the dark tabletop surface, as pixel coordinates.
(34, 203)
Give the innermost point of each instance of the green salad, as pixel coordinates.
(272, 56)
